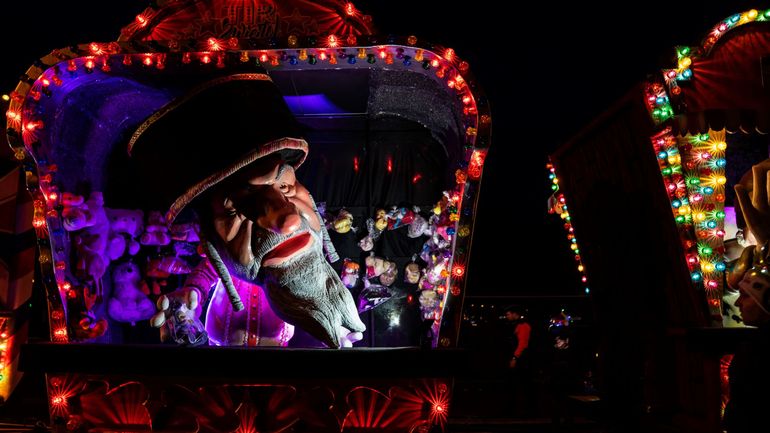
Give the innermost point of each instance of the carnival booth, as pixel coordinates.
(658, 255)
(379, 140)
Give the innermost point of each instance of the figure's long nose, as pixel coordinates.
(280, 215)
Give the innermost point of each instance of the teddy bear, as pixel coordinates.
(128, 303)
(125, 227)
(156, 231)
(89, 222)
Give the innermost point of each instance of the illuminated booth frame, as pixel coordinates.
(192, 39)
(669, 275)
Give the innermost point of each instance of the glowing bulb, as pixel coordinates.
(6, 98)
(580, 268)
(705, 155)
(141, 21)
(332, 41)
(709, 267)
(720, 233)
(662, 154)
(721, 180)
(700, 216)
(752, 14)
(350, 9)
(713, 284)
(708, 190)
(707, 251)
(720, 214)
(720, 266)
(695, 276)
(147, 60)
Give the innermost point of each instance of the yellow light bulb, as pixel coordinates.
(573, 246)
(362, 53)
(721, 180)
(6, 98)
(700, 216)
(685, 62)
(752, 14)
(581, 268)
(708, 267)
(721, 146)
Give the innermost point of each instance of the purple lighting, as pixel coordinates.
(312, 104)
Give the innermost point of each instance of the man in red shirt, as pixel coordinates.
(519, 382)
(521, 333)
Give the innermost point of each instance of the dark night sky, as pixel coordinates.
(547, 70)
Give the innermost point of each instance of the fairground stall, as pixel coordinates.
(648, 190)
(397, 131)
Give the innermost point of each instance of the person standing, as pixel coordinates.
(520, 381)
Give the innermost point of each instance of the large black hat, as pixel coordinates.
(201, 138)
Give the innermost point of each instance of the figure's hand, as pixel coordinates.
(754, 202)
(179, 305)
(325, 309)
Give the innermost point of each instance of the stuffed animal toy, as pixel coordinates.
(156, 232)
(349, 273)
(400, 217)
(89, 222)
(389, 275)
(128, 303)
(412, 273)
(381, 220)
(419, 227)
(125, 227)
(366, 243)
(344, 222)
(376, 266)
(429, 301)
(187, 232)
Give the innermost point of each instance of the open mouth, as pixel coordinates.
(287, 249)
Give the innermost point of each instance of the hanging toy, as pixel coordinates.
(343, 223)
(374, 228)
(388, 277)
(366, 243)
(376, 266)
(412, 272)
(429, 301)
(381, 220)
(400, 217)
(419, 227)
(349, 273)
